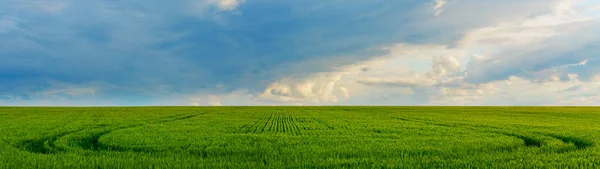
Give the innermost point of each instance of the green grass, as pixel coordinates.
(300, 137)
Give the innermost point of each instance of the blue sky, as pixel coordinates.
(267, 52)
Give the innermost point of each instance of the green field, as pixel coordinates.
(300, 137)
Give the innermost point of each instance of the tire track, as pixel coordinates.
(92, 143)
(529, 141)
(46, 144)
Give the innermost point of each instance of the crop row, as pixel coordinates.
(284, 123)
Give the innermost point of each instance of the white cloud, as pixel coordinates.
(442, 66)
(438, 6)
(317, 88)
(520, 91)
(237, 97)
(215, 103)
(583, 62)
(213, 9)
(515, 42)
(415, 81)
(203, 6)
(344, 92)
(229, 5)
(594, 7)
(434, 71)
(529, 31)
(404, 67)
(543, 45)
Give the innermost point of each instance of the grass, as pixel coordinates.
(300, 137)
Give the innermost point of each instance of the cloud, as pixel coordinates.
(530, 51)
(571, 89)
(215, 103)
(594, 7)
(415, 81)
(319, 88)
(228, 5)
(344, 92)
(236, 52)
(168, 46)
(442, 66)
(529, 31)
(388, 72)
(213, 8)
(519, 91)
(532, 45)
(438, 6)
(55, 94)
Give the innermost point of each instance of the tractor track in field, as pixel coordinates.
(46, 144)
(529, 141)
(92, 143)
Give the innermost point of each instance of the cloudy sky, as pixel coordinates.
(299, 52)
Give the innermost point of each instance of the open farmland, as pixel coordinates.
(300, 137)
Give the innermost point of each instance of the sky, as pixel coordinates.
(299, 52)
